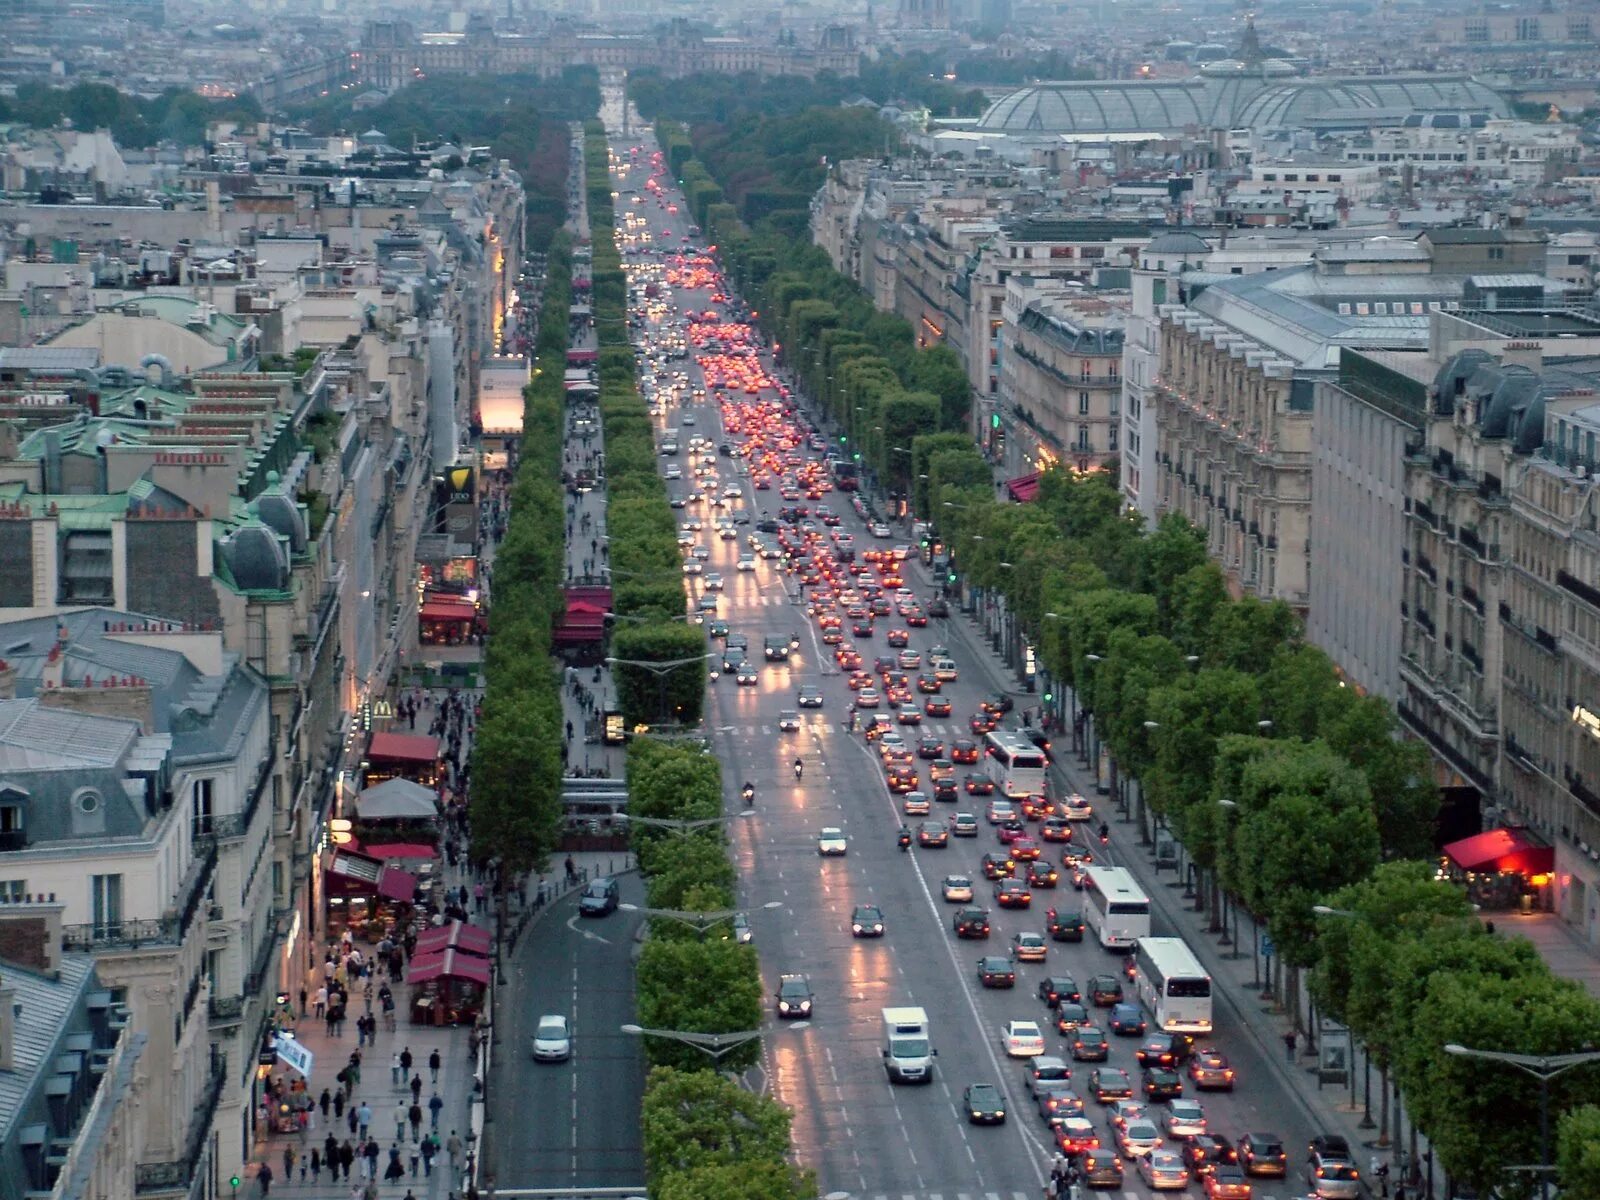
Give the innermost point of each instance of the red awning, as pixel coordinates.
(401, 850)
(457, 935)
(448, 964)
(1501, 850)
(403, 747)
(1024, 487)
(395, 884)
(578, 358)
(448, 608)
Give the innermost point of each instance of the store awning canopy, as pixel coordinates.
(395, 800)
(448, 608)
(1501, 850)
(395, 884)
(456, 935)
(403, 747)
(387, 850)
(448, 964)
(1023, 488)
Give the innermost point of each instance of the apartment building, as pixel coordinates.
(136, 794)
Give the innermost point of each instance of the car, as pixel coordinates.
(1164, 1170)
(936, 706)
(794, 996)
(929, 685)
(1029, 947)
(956, 889)
(997, 703)
(1138, 1138)
(1184, 1119)
(1090, 1044)
(1104, 991)
(994, 971)
(1070, 1017)
(1057, 1101)
(745, 675)
(938, 608)
(717, 628)
(1123, 1111)
(902, 780)
(1210, 1071)
(997, 866)
(1023, 848)
(1126, 1020)
(1205, 1152)
(978, 785)
(831, 842)
(713, 582)
(1227, 1181)
(908, 714)
(964, 751)
(983, 1104)
(1055, 829)
(1056, 989)
(1063, 926)
(868, 698)
(1022, 1039)
(932, 836)
(1045, 1071)
(999, 812)
(866, 920)
(1161, 1050)
(552, 1039)
(809, 696)
(973, 923)
(693, 566)
(1263, 1154)
(941, 768)
(788, 721)
(1012, 893)
(1101, 1168)
(600, 897)
(1332, 1178)
(915, 804)
(982, 722)
(1330, 1145)
(1077, 1135)
(1162, 1083)
(944, 791)
(898, 639)
(929, 747)
(1076, 808)
(910, 660)
(1042, 875)
(963, 824)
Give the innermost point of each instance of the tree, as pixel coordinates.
(515, 800)
(695, 1118)
(1578, 1151)
(1172, 549)
(678, 865)
(1247, 633)
(744, 1180)
(1191, 714)
(1300, 692)
(1195, 597)
(1399, 773)
(671, 693)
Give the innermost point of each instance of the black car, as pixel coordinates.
(1054, 989)
(794, 996)
(945, 790)
(1088, 1044)
(1104, 991)
(1263, 1154)
(1207, 1150)
(996, 972)
(997, 703)
(983, 1104)
(1042, 875)
(1160, 1050)
(1071, 1017)
(1101, 1168)
(1064, 926)
(866, 921)
(1162, 1083)
(971, 923)
(938, 608)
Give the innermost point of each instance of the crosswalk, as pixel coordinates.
(947, 1195)
(911, 733)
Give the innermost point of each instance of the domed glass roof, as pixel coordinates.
(1287, 105)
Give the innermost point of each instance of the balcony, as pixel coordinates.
(184, 1174)
(104, 937)
(224, 1010)
(233, 825)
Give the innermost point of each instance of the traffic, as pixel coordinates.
(963, 982)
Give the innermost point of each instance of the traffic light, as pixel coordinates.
(1049, 698)
(994, 420)
(843, 439)
(858, 456)
(952, 577)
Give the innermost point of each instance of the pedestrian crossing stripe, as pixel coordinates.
(909, 732)
(979, 1195)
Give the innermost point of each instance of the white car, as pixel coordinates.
(747, 562)
(879, 530)
(916, 804)
(1076, 808)
(1029, 947)
(831, 841)
(1184, 1119)
(713, 582)
(552, 1039)
(902, 552)
(957, 889)
(732, 491)
(1023, 1039)
(674, 472)
(693, 566)
(1139, 1138)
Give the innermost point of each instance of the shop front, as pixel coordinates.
(447, 620)
(1504, 870)
(447, 987)
(367, 899)
(402, 756)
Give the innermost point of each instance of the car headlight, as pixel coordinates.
(783, 1006)
(855, 928)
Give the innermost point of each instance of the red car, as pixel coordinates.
(936, 706)
(964, 751)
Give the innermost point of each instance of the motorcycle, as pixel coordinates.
(905, 841)
(749, 794)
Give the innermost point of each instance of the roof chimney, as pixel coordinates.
(8, 681)
(8, 1027)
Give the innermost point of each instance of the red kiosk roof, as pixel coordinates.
(404, 747)
(1508, 850)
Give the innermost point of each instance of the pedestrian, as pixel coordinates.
(353, 1120)
(288, 1164)
(369, 1155)
(1380, 1172)
(324, 1102)
(452, 1147)
(338, 1103)
(330, 1155)
(322, 1000)
(395, 1170)
(416, 1088)
(400, 1121)
(1289, 1044)
(264, 1178)
(414, 1115)
(395, 1069)
(435, 1107)
(405, 1066)
(416, 1161)
(302, 1009)
(347, 1158)
(430, 1147)
(434, 1062)
(363, 1118)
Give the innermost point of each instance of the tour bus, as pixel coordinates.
(1172, 985)
(1015, 764)
(1114, 907)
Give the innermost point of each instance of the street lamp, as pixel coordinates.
(717, 1045)
(685, 827)
(660, 669)
(1544, 1068)
(700, 922)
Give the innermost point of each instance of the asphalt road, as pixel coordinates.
(557, 1124)
(865, 1137)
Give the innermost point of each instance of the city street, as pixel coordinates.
(866, 1137)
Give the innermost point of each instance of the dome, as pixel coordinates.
(256, 559)
(1177, 241)
(281, 514)
(1098, 107)
(1293, 105)
(1451, 381)
(1527, 427)
(1501, 392)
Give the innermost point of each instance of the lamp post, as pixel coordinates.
(700, 922)
(684, 827)
(1544, 1068)
(660, 670)
(716, 1045)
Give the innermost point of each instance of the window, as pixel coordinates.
(1083, 403)
(1380, 309)
(10, 818)
(1112, 434)
(13, 890)
(200, 810)
(105, 901)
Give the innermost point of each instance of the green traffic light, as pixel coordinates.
(1049, 698)
(952, 576)
(234, 1182)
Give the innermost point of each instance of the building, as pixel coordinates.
(137, 789)
(70, 1059)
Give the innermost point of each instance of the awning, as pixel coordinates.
(1024, 487)
(448, 608)
(387, 850)
(358, 872)
(396, 800)
(580, 358)
(448, 964)
(395, 884)
(1501, 850)
(457, 935)
(403, 747)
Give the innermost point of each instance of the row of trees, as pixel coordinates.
(176, 115)
(865, 367)
(516, 753)
(646, 564)
(704, 1135)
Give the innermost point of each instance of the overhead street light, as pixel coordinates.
(700, 922)
(1544, 1068)
(685, 826)
(717, 1045)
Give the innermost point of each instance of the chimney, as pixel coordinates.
(8, 681)
(1523, 354)
(8, 1027)
(30, 934)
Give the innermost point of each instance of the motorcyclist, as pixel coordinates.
(905, 838)
(749, 790)
(1105, 833)
(799, 768)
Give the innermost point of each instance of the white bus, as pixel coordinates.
(1114, 907)
(1172, 985)
(1015, 764)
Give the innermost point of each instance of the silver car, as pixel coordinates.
(552, 1039)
